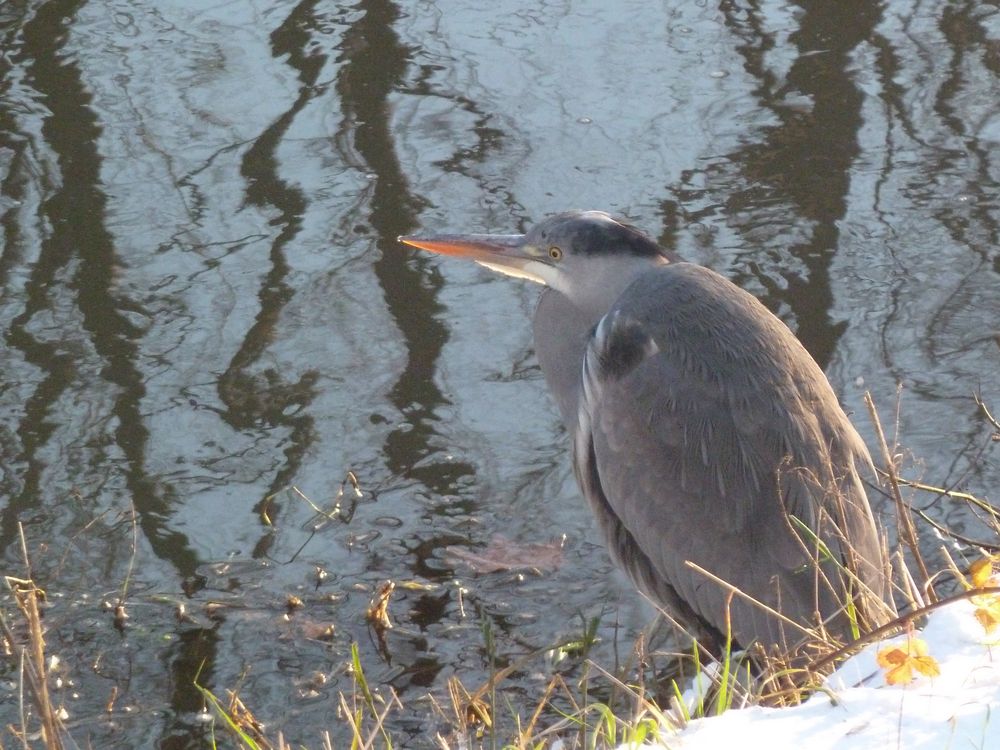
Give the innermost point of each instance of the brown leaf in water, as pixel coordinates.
(503, 554)
(378, 611)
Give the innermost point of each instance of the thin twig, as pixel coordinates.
(954, 495)
(992, 420)
(992, 547)
(899, 623)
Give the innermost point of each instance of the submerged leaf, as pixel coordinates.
(503, 554)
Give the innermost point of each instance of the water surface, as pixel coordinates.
(202, 305)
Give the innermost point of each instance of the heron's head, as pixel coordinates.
(586, 255)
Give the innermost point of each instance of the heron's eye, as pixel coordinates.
(555, 253)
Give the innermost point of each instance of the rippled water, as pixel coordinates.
(203, 304)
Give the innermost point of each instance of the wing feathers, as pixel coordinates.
(702, 424)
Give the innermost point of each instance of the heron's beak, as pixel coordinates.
(504, 253)
(493, 248)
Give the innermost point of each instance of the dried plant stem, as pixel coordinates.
(28, 600)
(905, 528)
(953, 494)
(27, 594)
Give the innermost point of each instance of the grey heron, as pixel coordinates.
(705, 437)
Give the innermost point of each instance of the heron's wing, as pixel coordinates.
(704, 424)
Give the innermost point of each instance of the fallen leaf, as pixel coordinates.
(987, 605)
(378, 610)
(989, 617)
(981, 572)
(418, 586)
(903, 659)
(503, 554)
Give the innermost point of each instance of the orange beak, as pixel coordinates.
(496, 249)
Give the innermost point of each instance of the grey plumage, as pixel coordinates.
(699, 424)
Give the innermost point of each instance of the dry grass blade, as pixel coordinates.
(469, 709)
(542, 703)
(355, 719)
(27, 596)
(756, 602)
(643, 705)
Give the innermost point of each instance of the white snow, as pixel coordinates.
(960, 708)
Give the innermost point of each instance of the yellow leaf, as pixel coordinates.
(927, 665)
(989, 616)
(902, 659)
(900, 675)
(980, 572)
(890, 657)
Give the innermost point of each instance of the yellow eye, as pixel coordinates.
(555, 253)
